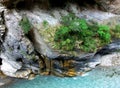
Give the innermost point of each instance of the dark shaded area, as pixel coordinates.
(2, 21)
(57, 3)
(21, 5)
(24, 4)
(63, 3)
(83, 2)
(27, 4)
(19, 60)
(0, 61)
(104, 51)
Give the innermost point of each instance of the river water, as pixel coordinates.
(98, 78)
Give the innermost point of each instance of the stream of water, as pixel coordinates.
(98, 78)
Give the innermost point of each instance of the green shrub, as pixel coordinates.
(25, 24)
(104, 33)
(74, 29)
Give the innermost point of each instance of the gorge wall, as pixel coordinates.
(24, 56)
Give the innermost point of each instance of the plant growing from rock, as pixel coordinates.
(45, 23)
(25, 24)
(104, 33)
(74, 30)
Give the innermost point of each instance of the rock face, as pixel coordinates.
(24, 56)
(71, 66)
(20, 55)
(100, 17)
(17, 51)
(109, 5)
(110, 60)
(109, 55)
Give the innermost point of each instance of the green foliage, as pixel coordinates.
(88, 45)
(104, 33)
(25, 24)
(45, 23)
(74, 30)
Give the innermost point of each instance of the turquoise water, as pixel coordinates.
(98, 78)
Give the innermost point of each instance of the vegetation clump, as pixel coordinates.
(76, 33)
